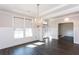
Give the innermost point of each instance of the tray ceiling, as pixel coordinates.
(46, 10)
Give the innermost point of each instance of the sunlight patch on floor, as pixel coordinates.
(31, 46)
(39, 43)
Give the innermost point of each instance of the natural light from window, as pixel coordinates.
(39, 43)
(18, 33)
(31, 46)
(28, 32)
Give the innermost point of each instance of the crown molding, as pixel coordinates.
(52, 10)
(15, 13)
(61, 13)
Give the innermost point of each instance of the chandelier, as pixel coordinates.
(38, 20)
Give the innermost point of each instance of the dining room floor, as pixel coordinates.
(48, 47)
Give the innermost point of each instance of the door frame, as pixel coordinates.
(66, 23)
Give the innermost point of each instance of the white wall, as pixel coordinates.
(73, 18)
(52, 29)
(7, 31)
(66, 29)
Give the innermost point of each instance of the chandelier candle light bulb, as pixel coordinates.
(38, 20)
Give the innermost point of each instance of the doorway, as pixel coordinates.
(65, 32)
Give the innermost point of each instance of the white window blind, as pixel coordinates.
(22, 28)
(18, 33)
(28, 28)
(18, 28)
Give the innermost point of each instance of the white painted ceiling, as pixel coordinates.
(46, 10)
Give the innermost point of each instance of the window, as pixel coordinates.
(28, 32)
(18, 33)
(23, 28)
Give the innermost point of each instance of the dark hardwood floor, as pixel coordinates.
(67, 39)
(51, 47)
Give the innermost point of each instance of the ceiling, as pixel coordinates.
(45, 10)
